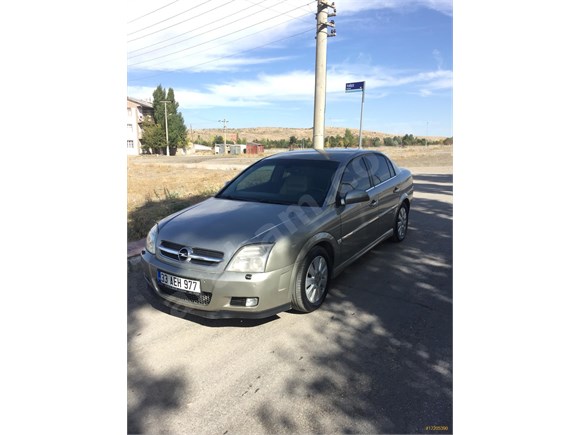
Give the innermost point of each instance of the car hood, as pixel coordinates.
(222, 224)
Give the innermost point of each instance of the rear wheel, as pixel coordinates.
(312, 281)
(401, 223)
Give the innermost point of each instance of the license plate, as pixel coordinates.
(176, 282)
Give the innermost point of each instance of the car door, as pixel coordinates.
(357, 220)
(385, 189)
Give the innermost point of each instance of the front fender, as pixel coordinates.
(323, 238)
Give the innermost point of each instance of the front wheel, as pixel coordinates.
(312, 281)
(401, 223)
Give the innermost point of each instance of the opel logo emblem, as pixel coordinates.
(183, 254)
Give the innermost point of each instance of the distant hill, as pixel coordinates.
(278, 133)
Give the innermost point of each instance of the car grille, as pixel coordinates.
(204, 257)
(201, 299)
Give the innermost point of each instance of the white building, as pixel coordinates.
(137, 112)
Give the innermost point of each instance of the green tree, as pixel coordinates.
(409, 139)
(158, 106)
(349, 139)
(153, 137)
(176, 130)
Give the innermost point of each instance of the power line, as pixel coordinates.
(180, 34)
(207, 42)
(194, 36)
(167, 19)
(199, 34)
(222, 57)
(149, 13)
(181, 22)
(272, 9)
(234, 40)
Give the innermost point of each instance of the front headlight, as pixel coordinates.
(251, 259)
(152, 239)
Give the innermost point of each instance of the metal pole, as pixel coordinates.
(225, 121)
(361, 117)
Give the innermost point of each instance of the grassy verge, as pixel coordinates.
(142, 218)
(156, 190)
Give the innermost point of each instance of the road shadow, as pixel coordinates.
(434, 183)
(389, 317)
(150, 394)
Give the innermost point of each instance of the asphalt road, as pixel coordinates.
(376, 358)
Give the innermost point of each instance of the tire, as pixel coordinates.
(312, 281)
(401, 223)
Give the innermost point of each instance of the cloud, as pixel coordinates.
(270, 89)
(438, 58)
(353, 6)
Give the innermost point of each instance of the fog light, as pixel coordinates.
(251, 302)
(244, 302)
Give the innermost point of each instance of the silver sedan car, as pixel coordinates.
(275, 235)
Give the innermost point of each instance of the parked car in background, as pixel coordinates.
(275, 235)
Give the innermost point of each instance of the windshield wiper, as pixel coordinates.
(234, 198)
(274, 201)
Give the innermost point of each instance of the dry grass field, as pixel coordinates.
(278, 133)
(160, 185)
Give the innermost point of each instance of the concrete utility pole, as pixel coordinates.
(166, 130)
(320, 71)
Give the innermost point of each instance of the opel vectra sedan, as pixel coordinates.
(275, 235)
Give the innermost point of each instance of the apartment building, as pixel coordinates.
(137, 112)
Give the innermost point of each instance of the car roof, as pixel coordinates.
(333, 154)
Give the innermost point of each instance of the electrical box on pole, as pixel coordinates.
(322, 34)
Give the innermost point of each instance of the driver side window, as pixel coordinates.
(355, 177)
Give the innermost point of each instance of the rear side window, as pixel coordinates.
(355, 177)
(379, 168)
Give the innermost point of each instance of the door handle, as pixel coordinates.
(374, 203)
(396, 189)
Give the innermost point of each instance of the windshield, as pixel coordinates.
(283, 181)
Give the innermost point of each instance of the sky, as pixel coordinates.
(252, 62)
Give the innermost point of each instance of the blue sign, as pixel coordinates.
(355, 87)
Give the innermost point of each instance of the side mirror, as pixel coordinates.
(354, 196)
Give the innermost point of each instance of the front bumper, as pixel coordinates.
(217, 290)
